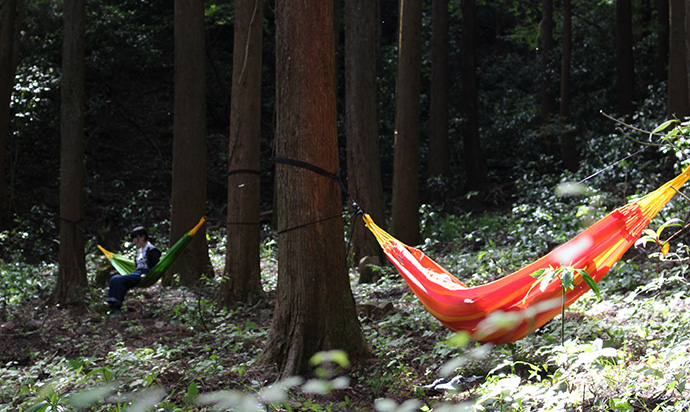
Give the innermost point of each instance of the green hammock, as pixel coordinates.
(125, 266)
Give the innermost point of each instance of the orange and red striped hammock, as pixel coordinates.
(511, 308)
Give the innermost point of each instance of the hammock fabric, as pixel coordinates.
(123, 265)
(511, 308)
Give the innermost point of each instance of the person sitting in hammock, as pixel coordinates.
(147, 257)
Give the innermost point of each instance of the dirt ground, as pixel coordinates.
(37, 331)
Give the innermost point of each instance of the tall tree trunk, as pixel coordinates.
(548, 95)
(8, 50)
(678, 104)
(662, 39)
(439, 144)
(405, 203)
(625, 68)
(568, 149)
(71, 281)
(242, 257)
(547, 44)
(315, 309)
(189, 141)
(363, 162)
(474, 161)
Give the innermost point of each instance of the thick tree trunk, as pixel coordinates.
(474, 161)
(315, 308)
(8, 50)
(571, 158)
(242, 257)
(439, 143)
(189, 141)
(405, 203)
(71, 281)
(625, 68)
(678, 104)
(363, 163)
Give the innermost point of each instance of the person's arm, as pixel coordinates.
(153, 257)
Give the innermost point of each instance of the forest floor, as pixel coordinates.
(38, 334)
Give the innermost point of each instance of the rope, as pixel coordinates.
(335, 176)
(323, 172)
(246, 171)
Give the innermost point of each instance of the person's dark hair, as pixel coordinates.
(138, 231)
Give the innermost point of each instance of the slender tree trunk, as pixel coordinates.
(189, 141)
(405, 203)
(242, 257)
(439, 143)
(662, 39)
(678, 104)
(548, 95)
(547, 44)
(568, 149)
(625, 67)
(363, 163)
(8, 45)
(315, 308)
(474, 161)
(71, 281)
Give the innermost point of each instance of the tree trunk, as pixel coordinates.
(315, 308)
(363, 162)
(678, 104)
(71, 281)
(662, 39)
(439, 144)
(242, 257)
(548, 99)
(405, 203)
(625, 68)
(189, 142)
(568, 149)
(474, 161)
(9, 34)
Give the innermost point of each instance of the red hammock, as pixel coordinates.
(510, 308)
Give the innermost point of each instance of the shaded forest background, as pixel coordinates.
(551, 79)
(129, 74)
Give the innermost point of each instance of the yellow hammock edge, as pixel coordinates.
(510, 308)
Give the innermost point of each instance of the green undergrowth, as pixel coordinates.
(628, 351)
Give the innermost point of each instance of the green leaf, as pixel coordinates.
(590, 282)
(664, 125)
(567, 277)
(192, 393)
(537, 273)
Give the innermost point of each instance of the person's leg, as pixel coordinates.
(119, 285)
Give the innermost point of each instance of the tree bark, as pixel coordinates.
(71, 281)
(439, 143)
(678, 104)
(242, 257)
(474, 161)
(189, 142)
(405, 202)
(363, 162)
(662, 39)
(315, 308)
(571, 158)
(625, 68)
(9, 34)
(547, 44)
(548, 95)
